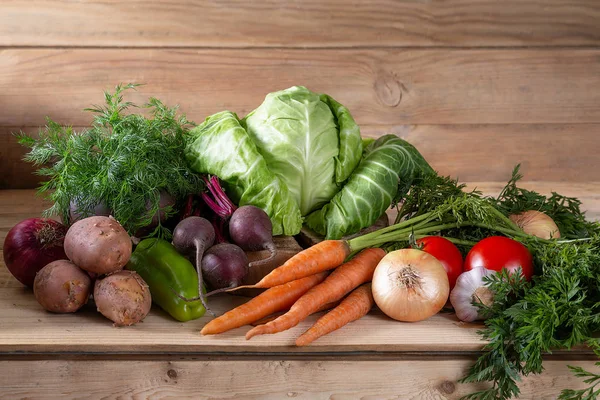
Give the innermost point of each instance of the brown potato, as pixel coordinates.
(123, 297)
(98, 244)
(62, 287)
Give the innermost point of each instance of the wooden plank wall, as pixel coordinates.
(477, 85)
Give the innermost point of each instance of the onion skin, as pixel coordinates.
(410, 285)
(31, 245)
(536, 223)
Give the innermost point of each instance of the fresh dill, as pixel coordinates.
(123, 162)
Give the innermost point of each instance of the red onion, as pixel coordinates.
(31, 245)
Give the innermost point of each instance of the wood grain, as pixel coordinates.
(311, 23)
(268, 379)
(471, 153)
(26, 327)
(380, 87)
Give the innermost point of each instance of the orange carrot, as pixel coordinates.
(271, 317)
(275, 299)
(341, 282)
(323, 256)
(356, 305)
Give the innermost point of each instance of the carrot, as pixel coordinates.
(356, 305)
(323, 256)
(341, 281)
(275, 299)
(271, 317)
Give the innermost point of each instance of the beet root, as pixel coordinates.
(251, 229)
(224, 266)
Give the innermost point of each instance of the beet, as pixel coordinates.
(251, 229)
(224, 266)
(165, 202)
(75, 214)
(191, 237)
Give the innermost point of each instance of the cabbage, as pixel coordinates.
(220, 146)
(389, 162)
(300, 154)
(309, 141)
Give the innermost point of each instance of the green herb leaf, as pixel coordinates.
(123, 161)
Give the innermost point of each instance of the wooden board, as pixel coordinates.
(209, 378)
(310, 23)
(26, 327)
(379, 86)
(545, 151)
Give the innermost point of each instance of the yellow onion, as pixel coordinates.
(536, 223)
(410, 285)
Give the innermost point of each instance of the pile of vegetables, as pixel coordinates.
(88, 256)
(526, 264)
(300, 155)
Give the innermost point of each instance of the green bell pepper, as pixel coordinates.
(167, 272)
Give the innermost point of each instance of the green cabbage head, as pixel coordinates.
(309, 141)
(289, 157)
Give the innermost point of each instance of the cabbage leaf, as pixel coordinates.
(309, 141)
(389, 163)
(220, 146)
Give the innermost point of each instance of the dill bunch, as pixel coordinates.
(123, 162)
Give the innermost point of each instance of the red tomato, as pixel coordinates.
(497, 252)
(446, 252)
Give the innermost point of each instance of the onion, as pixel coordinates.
(536, 223)
(31, 245)
(410, 285)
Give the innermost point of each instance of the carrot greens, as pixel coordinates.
(559, 309)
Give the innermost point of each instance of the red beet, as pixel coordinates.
(251, 229)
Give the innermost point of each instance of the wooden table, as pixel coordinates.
(476, 85)
(81, 355)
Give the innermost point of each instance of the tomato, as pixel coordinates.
(497, 252)
(446, 253)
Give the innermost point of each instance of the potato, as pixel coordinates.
(98, 244)
(123, 297)
(62, 287)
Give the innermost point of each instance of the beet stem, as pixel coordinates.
(220, 211)
(273, 253)
(221, 204)
(227, 289)
(187, 211)
(199, 254)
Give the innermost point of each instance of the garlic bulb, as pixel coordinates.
(536, 223)
(471, 288)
